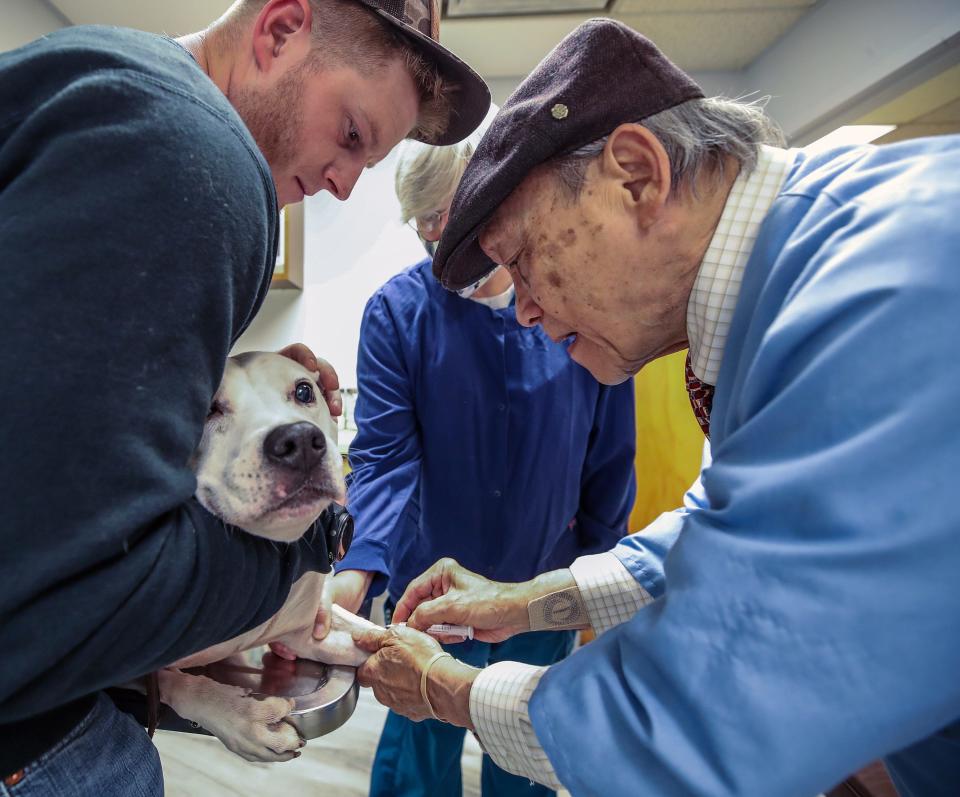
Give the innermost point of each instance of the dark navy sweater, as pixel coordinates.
(138, 227)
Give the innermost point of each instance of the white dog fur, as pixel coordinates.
(267, 463)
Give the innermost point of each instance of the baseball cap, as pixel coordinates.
(601, 75)
(419, 22)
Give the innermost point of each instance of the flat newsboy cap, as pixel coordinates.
(419, 22)
(602, 75)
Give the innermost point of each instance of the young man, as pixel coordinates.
(477, 439)
(794, 621)
(139, 185)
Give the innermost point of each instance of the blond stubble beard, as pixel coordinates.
(273, 117)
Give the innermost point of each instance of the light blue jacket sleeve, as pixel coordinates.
(643, 553)
(812, 623)
(608, 484)
(385, 455)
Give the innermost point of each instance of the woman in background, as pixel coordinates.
(477, 439)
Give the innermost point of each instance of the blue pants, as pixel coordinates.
(108, 754)
(422, 759)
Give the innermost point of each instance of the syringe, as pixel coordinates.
(446, 629)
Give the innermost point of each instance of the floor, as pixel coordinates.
(336, 765)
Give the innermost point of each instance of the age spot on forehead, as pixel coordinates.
(568, 237)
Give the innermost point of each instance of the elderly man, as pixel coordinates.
(454, 385)
(139, 184)
(793, 621)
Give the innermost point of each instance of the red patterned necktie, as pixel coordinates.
(701, 398)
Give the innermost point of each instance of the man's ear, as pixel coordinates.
(637, 160)
(281, 33)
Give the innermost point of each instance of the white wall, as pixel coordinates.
(351, 248)
(22, 21)
(844, 54)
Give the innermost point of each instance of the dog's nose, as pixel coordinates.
(299, 446)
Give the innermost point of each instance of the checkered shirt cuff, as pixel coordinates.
(611, 595)
(498, 708)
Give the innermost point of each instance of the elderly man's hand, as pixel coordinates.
(399, 658)
(329, 383)
(449, 593)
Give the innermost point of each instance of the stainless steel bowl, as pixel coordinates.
(324, 695)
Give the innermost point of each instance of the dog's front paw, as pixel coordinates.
(337, 647)
(254, 728)
(257, 729)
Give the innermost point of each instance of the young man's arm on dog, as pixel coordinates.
(127, 279)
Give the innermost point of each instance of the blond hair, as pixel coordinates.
(426, 177)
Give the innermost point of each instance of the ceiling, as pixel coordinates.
(699, 35)
(930, 109)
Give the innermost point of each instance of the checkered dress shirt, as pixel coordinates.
(501, 692)
(717, 287)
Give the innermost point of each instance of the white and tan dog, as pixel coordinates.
(267, 463)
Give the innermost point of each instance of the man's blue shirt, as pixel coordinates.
(807, 619)
(481, 440)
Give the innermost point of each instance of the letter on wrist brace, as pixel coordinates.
(558, 610)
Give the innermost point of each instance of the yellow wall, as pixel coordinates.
(669, 439)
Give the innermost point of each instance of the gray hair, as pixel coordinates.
(427, 176)
(698, 135)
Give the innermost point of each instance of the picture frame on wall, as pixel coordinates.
(288, 270)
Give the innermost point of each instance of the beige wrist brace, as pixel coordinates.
(558, 610)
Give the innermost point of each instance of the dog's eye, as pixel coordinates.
(304, 393)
